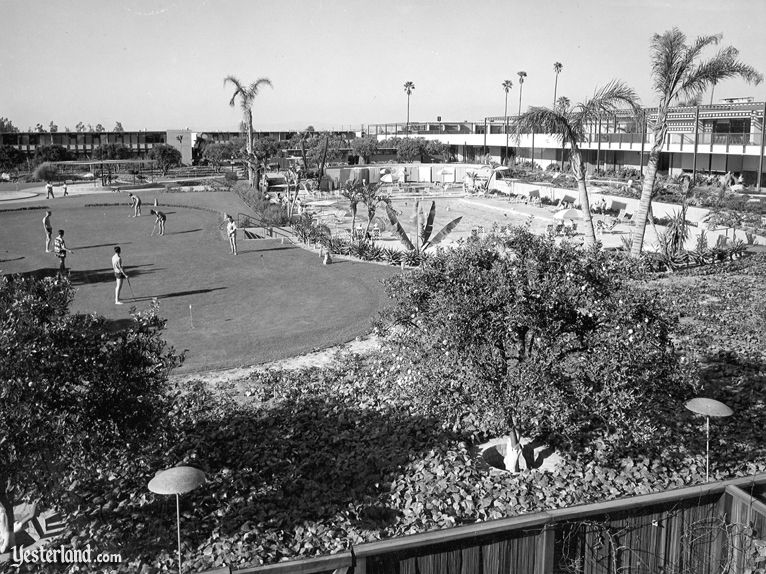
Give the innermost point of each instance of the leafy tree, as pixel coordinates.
(74, 390)
(437, 151)
(557, 67)
(6, 126)
(118, 127)
(80, 127)
(10, 157)
(246, 95)
(53, 128)
(317, 149)
(100, 128)
(679, 72)
(112, 151)
(264, 148)
(166, 157)
(39, 128)
(217, 153)
(365, 147)
(51, 153)
(571, 124)
(410, 149)
(45, 172)
(520, 335)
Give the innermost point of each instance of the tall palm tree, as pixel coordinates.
(563, 103)
(246, 95)
(522, 75)
(571, 125)
(678, 71)
(507, 85)
(557, 67)
(408, 87)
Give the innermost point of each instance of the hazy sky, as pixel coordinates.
(160, 64)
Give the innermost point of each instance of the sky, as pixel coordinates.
(337, 64)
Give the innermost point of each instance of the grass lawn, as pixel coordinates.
(269, 302)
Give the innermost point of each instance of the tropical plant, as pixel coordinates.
(507, 85)
(408, 88)
(246, 95)
(371, 194)
(678, 71)
(522, 76)
(423, 228)
(351, 191)
(557, 67)
(571, 125)
(563, 103)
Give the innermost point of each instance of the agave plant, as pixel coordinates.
(424, 227)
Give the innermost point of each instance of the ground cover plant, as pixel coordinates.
(313, 461)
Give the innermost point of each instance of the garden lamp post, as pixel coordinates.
(708, 408)
(177, 480)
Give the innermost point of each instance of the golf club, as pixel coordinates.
(153, 228)
(133, 295)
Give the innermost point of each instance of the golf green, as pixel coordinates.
(271, 301)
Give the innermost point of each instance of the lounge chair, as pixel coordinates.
(604, 227)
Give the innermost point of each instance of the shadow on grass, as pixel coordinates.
(182, 232)
(177, 294)
(104, 245)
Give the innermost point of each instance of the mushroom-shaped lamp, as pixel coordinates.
(708, 408)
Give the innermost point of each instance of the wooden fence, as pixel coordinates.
(706, 529)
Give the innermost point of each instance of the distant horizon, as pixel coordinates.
(341, 63)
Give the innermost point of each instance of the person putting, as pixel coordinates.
(119, 274)
(60, 249)
(231, 230)
(48, 231)
(136, 204)
(161, 218)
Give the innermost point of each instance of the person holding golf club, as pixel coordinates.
(119, 274)
(48, 231)
(161, 218)
(60, 249)
(135, 203)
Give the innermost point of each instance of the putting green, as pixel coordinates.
(269, 302)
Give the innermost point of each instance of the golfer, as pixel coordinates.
(136, 204)
(48, 231)
(49, 191)
(66, 192)
(119, 274)
(231, 230)
(161, 218)
(60, 249)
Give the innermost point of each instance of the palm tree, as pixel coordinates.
(408, 87)
(677, 72)
(507, 85)
(557, 67)
(246, 95)
(563, 103)
(571, 125)
(522, 75)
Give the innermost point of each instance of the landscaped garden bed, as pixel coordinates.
(313, 461)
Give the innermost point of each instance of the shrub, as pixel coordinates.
(522, 334)
(45, 172)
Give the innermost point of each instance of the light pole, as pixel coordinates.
(708, 408)
(177, 480)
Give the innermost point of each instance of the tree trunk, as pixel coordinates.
(250, 170)
(579, 172)
(555, 89)
(650, 175)
(7, 537)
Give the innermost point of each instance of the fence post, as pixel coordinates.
(544, 559)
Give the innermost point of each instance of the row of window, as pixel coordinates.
(87, 139)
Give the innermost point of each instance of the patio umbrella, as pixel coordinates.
(177, 480)
(568, 214)
(708, 408)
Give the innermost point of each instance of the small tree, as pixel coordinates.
(371, 194)
(118, 127)
(437, 151)
(80, 127)
(100, 128)
(10, 157)
(45, 172)
(112, 151)
(410, 149)
(46, 153)
(53, 128)
(365, 147)
(520, 335)
(217, 153)
(166, 157)
(6, 126)
(75, 391)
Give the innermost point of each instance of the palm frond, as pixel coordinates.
(429, 226)
(398, 229)
(253, 88)
(446, 230)
(667, 51)
(240, 89)
(547, 121)
(724, 65)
